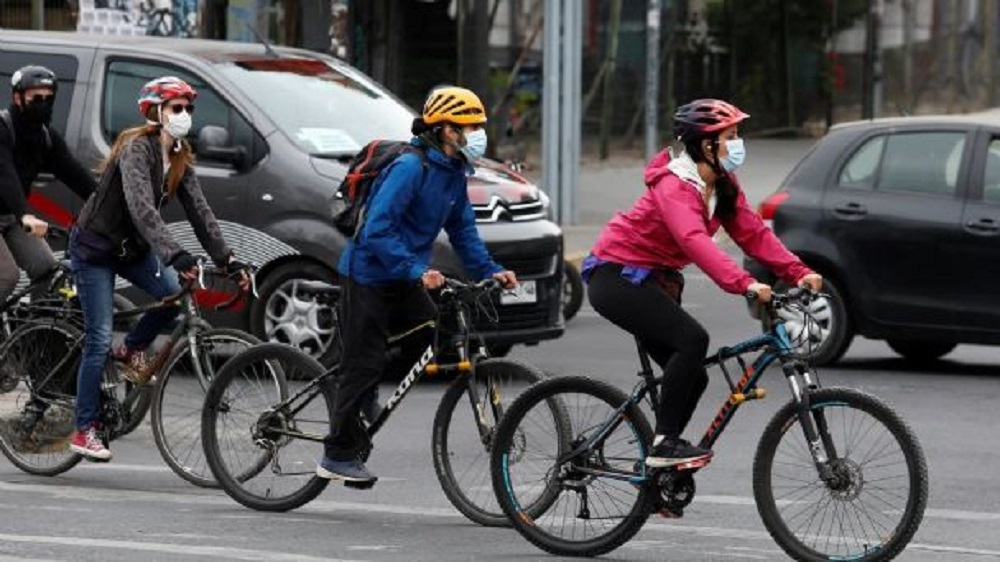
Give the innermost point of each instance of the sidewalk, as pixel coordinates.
(614, 185)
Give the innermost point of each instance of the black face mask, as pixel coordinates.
(38, 112)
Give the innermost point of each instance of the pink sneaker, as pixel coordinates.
(88, 443)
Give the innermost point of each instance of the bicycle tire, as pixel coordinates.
(42, 450)
(261, 483)
(183, 398)
(767, 458)
(537, 528)
(474, 498)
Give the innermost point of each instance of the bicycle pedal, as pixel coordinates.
(359, 485)
(95, 461)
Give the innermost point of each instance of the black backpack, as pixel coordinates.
(9, 123)
(362, 172)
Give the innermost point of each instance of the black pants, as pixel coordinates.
(369, 315)
(673, 338)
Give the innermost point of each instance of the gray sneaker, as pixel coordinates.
(349, 471)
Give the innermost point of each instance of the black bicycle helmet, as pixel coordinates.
(28, 77)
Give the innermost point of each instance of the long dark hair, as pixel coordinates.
(180, 161)
(726, 191)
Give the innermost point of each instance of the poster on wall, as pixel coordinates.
(164, 18)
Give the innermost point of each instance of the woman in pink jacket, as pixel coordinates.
(633, 271)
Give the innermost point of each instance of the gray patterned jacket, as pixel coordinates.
(126, 206)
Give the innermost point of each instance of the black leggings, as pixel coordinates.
(671, 336)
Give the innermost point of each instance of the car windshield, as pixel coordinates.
(327, 110)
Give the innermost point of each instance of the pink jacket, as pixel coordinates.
(669, 227)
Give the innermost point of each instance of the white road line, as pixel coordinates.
(80, 493)
(168, 548)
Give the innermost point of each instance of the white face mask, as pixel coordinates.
(178, 124)
(475, 145)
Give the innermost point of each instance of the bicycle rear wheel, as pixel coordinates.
(179, 396)
(874, 504)
(464, 431)
(37, 415)
(261, 445)
(599, 493)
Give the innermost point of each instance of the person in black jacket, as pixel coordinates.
(121, 232)
(27, 147)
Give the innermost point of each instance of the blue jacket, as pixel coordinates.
(410, 204)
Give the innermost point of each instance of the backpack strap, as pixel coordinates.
(6, 119)
(9, 123)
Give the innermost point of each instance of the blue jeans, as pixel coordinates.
(95, 285)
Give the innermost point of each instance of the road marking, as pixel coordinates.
(169, 548)
(80, 493)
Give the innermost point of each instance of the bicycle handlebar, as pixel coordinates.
(52, 231)
(188, 285)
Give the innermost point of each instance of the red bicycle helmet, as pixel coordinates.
(701, 118)
(164, 89)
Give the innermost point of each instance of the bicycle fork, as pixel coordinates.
(813, 422)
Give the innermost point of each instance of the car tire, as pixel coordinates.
(835, 326)
(921, 350)
(572, 296)
(305, 325)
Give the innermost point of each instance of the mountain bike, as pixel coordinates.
(263, 441)
(837, 475)
(44, 352)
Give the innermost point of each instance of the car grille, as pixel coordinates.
(499, 210)
(529, 266)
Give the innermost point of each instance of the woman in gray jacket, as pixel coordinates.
(120, 232)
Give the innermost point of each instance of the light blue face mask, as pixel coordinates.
(475, 145)
(737, 154)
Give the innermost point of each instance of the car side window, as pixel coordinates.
(925, 162)
(861, 169)
(65, 67)
(991, 178)
(123, 80)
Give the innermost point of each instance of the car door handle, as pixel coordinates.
(982, 227)
(850, 211)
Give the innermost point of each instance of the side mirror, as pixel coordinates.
(213, 144)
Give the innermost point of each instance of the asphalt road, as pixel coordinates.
(134, 508)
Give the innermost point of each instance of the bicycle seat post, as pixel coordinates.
(647, 369)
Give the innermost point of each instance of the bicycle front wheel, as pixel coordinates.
(37, 415)
(875, 501)
(261, 445)
(464, 428)
(575, 486)
(180, 394)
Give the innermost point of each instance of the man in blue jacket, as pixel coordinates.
(385, 266)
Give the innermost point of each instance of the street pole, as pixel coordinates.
(562, 54)
(908, 20)
(652, 77)
(991, 53)
(38, 14)
(607, 101)
(878, 84)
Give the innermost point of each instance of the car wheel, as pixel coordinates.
(824, 334)
(572, 294)
(921, 350)
(287, 315)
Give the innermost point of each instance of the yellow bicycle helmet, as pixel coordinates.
(452, 104)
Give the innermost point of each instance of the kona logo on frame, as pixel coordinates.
(418, 368)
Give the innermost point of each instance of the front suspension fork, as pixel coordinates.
(813, 421)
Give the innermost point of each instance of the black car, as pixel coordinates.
(902, 217)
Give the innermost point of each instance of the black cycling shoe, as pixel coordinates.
(677, 452)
